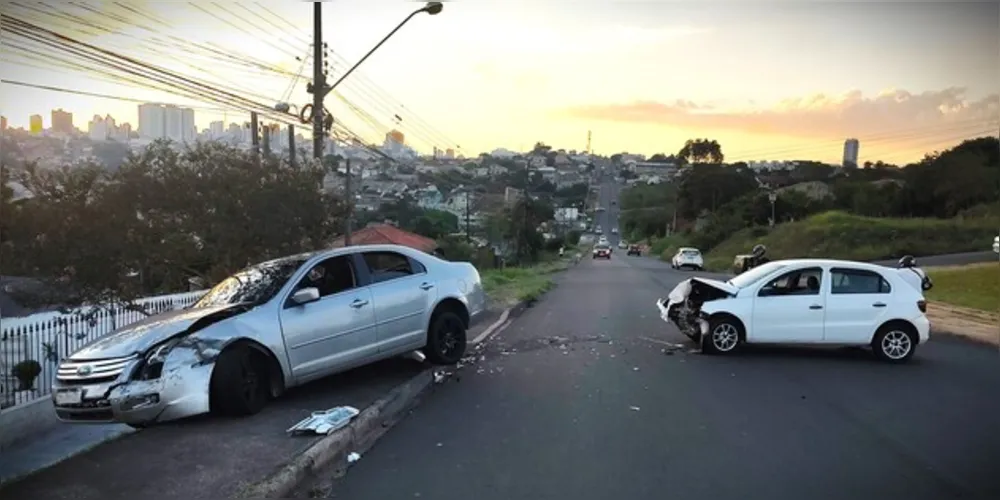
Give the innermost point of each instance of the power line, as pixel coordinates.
(104, 96)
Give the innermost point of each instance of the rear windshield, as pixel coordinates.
(691, 253)
(602, 247)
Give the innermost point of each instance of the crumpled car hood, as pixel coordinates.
(683, 289)
(138, 337)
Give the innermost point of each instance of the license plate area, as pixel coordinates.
(67, 397)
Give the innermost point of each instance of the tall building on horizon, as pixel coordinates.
(62, 121)
(3, 123)
(35, 124)
(851, 149)
(166, 121)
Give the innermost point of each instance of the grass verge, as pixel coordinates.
(509, 286)
(844, 236)
(975, 286)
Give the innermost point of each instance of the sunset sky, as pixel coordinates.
(773, 80)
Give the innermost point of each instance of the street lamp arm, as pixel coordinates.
(379, 44)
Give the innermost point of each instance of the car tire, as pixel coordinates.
(239, 384)
(894, 343)
(725, 334)
(446, 339)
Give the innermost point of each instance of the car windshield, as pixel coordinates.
(254, 285)
(754, 275)
(602, 247)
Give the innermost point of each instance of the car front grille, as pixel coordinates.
(90, 371)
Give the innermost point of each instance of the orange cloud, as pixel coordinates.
(890, 112)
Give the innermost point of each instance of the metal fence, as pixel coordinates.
(38, 342)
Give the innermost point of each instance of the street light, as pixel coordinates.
(431, 8)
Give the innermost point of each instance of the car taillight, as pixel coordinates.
(922, 305)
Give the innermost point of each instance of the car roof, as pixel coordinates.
(832, 263)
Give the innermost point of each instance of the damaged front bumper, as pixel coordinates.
(87, 391)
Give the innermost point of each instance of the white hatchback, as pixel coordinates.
(687, 257)
(803, 301)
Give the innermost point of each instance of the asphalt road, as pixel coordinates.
(589, 395)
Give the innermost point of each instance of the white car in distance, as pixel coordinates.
(996, 244)
(689, 258)
(803, 301)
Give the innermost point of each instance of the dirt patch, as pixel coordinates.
(980, 326)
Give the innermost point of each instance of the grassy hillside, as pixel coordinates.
(845, 236)
(976, 286)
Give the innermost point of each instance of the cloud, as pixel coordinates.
(817, 116)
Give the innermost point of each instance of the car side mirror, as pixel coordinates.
(305, 296)
(767, 292)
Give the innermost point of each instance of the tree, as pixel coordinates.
(165, 216)
(661, 158)
(701, 151)
(541, 148)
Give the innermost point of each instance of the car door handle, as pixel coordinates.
(878, 304)
(358, 303)
(426, 286)
(815, 306)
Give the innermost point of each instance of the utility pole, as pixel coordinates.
(291, 145)
(319, 81)
(468, 228)
(255, 134)
(266, 136)
(349, 195)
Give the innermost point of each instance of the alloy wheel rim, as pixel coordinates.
(725, 337)
(896, 345)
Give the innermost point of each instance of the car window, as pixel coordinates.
(691, 253)
(331, 276)
(385, 266)
(799, 282)
(756, 274)
(851, 281)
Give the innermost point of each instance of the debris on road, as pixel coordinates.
(439, 376)
(324, 422)
(353, 457)
(633, 408)
(635, 368)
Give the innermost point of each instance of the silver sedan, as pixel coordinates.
(270, 327)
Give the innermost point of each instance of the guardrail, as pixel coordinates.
(36, 343)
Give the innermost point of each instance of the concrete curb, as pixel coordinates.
(358, 436)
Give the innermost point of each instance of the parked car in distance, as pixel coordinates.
(614, 230)
(271, 327)
(687, 258)
(602, 251)
(622, 245)
(634, 250)
(803, 301)
(996, 244)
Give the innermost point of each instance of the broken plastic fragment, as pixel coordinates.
(324, 422)
(633, 408)
(439, 377)
(353, 457)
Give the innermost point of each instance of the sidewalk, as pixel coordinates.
(202, 457)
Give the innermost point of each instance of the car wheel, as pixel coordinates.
(724, 336)
(446, 339)
(239, 384)
(894, 343)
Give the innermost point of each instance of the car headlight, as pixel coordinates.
(152, 365)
